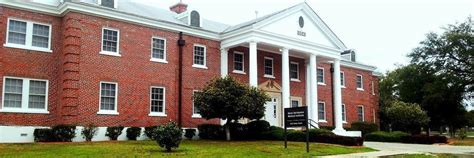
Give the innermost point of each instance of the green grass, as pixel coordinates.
(425, 156)
(200, 148)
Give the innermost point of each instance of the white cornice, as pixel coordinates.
(358, 65)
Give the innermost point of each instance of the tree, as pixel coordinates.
(169, 136)
(227, 99)
(407, 117)
(470, 118)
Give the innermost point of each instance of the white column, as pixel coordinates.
(308, 87)
(224, 60)
(337, 97)
(253, 74)
(285, 77)
(313, 88)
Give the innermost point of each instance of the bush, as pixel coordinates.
(64, 133)
(133, 133)
(274, 133)
(381, 136)
(238, 131)
(211, 131)
(424, 139)
(189, 133)
(169, 136)
(114, 132)
(150, 132)
(341, 140)
(257, 128)
(330, 128)
(364, 127)
(89, 131)
(43, 135)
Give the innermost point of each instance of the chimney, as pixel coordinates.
(179, 7)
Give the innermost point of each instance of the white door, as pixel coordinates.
(271, 112)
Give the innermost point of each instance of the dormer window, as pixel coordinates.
(195, 19)
(108, 3)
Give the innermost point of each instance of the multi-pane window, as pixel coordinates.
(320, 75)
(158, 48)
(294, 70)
(268, 64)
(110, 40)
(359, 82)
(108, 96)
(31, 35)
(199, 55)
(195, 110)
(238, 61)
(344, 112)
(343, 81)
(157, 100)
(360, 113)
(321, 111)
(25, 95)
(295, 103)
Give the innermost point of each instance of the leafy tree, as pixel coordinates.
(407, 117)
(470, 118)
(169, 136)
(225, 98)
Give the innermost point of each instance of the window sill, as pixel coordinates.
(110, 53)
(103, 112)
(360, 89)
(344, 122)
(322, 84)
(200, 66)
(239, 72)
(24, 111)
(269, 76)
(295, 80)
(159, 60)
(157, 114)
(343, 86)
(196, 116)
(322, 121)
(9, 45)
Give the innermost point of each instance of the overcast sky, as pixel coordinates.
(382, 32)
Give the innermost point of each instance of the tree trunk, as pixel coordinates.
(227, 130)
(168, 149)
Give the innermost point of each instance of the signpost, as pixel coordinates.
(297, 117)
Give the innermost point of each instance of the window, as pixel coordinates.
(343, 81)
(360, 113)
(295, 103)
(28, 35)
(196, 113)
(110, 42)
(157, 101)
(158, 49)
(238, 62)
(25, 95)
(108, 98)
(294, 71)
(372, 87)
(199, 56)
(359, 82)
(268, 63)
(195, 19)
(344, 117)
(108, 3)
(322, 111)
(320, 75)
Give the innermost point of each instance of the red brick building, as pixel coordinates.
(118, 63)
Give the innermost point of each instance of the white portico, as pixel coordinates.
(294, 32)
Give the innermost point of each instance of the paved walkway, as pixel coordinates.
(386, 149)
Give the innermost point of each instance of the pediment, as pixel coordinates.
(270, 86)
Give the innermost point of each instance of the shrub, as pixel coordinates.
(424, 139)
(462, 133)
(150, 132)
(364, 127)
(43, 135)
(189, 133)
(114, 132)
(341, 140)
(238, 131)
(407, 117)
(298, 136)
(169, 136)
(64, 133)
(133, 133)
(211, 131)
(330, 128)
(89, 131)
(274, 133)
(256, 128)
(381, 136)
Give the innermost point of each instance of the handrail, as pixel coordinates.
(315, 125)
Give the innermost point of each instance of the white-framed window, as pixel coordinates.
(196, 113)
(30, 35)
(359, 82)
(320, 75)
(343, 80)
(157, 101)
(199, 56)
(360, 113)
(268, 67)
(158, 49)
(295, 103)
(108, 98)
(239, 62)
(108, 3)
(344, 116)
(24, 95)
(322, 112)
(294, 71)
(372, 86)
(110, 42)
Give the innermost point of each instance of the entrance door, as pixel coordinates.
(271, 112)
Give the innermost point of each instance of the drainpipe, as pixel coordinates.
(181, 43)
(332, 92)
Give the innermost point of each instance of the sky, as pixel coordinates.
(382, 32)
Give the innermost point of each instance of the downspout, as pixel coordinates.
(332, 98)
(181, 43)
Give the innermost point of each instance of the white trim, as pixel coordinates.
(297, 100)
(363, 113)
(324, 105)
(372, 87)
(243, 63)
(164, 50)
(28, 36)
(204, 66)
(239, 72)
(343, 82)
(345, 113)
(264, 67)
(195, 115)
(361, 82)
(108, 112)
(102, 51)
(153, 113)
(324, 77)
(297, 71)
(25, 97)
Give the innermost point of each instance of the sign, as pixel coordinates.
(297, 117)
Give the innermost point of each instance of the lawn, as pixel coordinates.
(464, 142)
(198, 148)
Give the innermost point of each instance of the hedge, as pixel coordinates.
(424, 139)
(381, 136)
(58, 133)
(364, 127)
